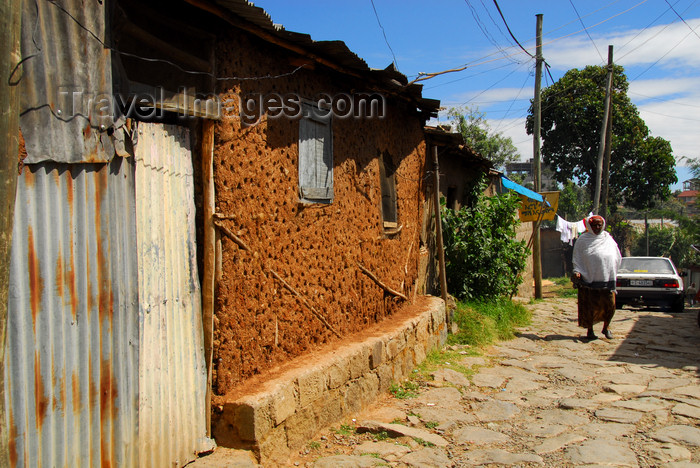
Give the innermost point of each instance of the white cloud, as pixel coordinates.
(640, 89)
(673, 45)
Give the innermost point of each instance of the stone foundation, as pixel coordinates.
(281, 413)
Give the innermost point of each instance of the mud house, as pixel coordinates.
(218, 227)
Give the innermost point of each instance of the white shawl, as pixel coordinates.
(596, 257)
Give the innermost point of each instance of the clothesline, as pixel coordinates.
(570, 230)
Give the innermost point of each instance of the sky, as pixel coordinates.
(656, 41)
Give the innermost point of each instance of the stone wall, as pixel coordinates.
(281, 412)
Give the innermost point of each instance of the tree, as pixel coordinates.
(574, 202)
(477, 133)
(642, 167)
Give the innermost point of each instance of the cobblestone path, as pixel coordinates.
(547, 398)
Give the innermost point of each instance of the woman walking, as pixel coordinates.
(596, 259)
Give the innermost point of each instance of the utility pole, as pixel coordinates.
(603, 131)
(10, 56)
(536, 113)
(608, 144)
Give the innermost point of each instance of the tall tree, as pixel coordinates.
(477, 133)
(642, 167)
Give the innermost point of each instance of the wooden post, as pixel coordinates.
(10, 56)
(605, 180)
(537, 115)
(603, 131)
(438, 225)
(209, 250)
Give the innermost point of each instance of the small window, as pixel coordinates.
(315, 156)
(388, 186)
(452, 198)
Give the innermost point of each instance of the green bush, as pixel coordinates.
(483, 259)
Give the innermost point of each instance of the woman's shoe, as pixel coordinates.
(607, 334)
(591, 335)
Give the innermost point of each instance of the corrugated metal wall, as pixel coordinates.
(71, 364)
(172, 373)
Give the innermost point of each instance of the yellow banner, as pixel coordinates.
(531, 210)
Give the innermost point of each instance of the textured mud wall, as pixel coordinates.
(315, 248)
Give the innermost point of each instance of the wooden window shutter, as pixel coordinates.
(315, 159)
(388, 186)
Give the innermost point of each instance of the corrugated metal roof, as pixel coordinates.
(454, 143)
(66, 81)
(172, 372)
(337, 52)
(71, 364)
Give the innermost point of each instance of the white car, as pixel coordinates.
(649, 281)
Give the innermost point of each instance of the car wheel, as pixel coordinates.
(678, 305)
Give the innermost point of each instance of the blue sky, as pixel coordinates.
(657, 41)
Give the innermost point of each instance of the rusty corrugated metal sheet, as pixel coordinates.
(65, 82)
(172, 372)
(71, 364)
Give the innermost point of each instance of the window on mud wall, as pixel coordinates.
(388, 185)
(452, 198)
(315, 156)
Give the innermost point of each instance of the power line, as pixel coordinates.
(384, 34)
(684, 22)
(587, 34)
(510, 106)
(495, 2)
(149, 59)
(664, 100)
(670, 116)
(620, 57)
(426, 76)
(485, 31)
(664, 55)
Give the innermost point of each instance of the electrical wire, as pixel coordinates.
(620, 57)
(384, 34)
(664, 55)
(495, 2)
(485, 31)
(587, 34)
(527, 78)
(149, 59)
(681, 18)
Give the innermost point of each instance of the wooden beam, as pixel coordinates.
(10, 56)
(209, 252)
(382, 285)
(438, 226)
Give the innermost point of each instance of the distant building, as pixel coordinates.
(689, 196)
(527, 171)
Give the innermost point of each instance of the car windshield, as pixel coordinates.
(646, 265)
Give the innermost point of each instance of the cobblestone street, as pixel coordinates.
(546, 398)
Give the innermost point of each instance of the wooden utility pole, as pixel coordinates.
(438, 226)
(10, 56)
(536, 113)
(603, 133)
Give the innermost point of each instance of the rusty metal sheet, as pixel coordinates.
(65, 80)
(71, 368)
(172, 372)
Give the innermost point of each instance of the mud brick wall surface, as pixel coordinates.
(314, 247)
